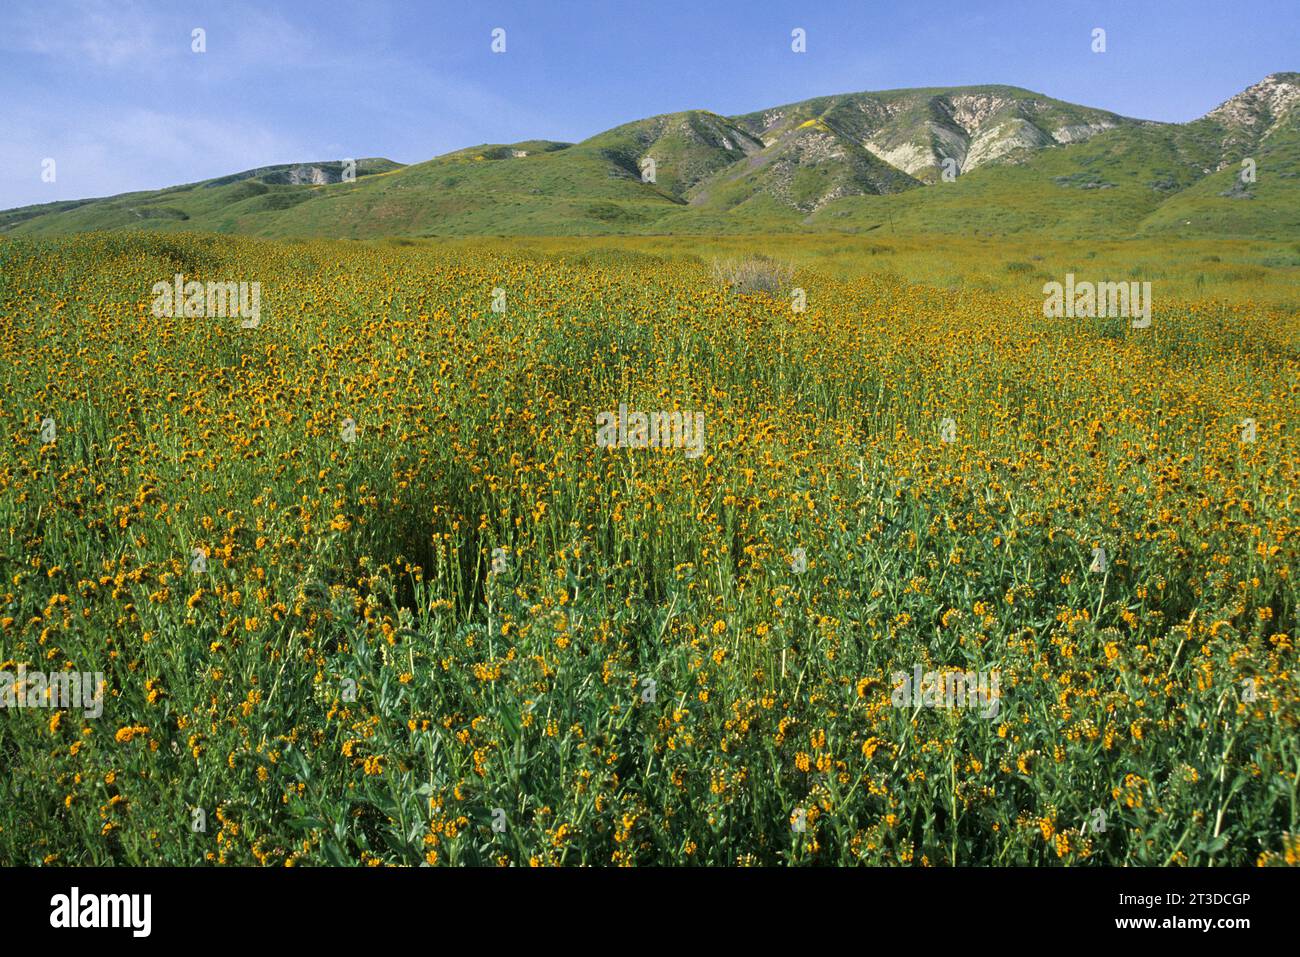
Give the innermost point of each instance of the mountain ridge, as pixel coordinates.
(993, 157)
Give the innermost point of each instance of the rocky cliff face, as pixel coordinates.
(1261, 108)
(917, 131)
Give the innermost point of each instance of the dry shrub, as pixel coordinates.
(753, 274)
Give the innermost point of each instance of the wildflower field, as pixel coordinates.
(364, 589)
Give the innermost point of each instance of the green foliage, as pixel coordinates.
(498, 591)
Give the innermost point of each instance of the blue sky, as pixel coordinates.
(111, 90)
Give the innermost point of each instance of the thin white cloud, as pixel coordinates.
(111, 91)
(132, 150)
(88, 32)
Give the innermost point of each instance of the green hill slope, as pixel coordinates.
(216, 204)
(1017, 162)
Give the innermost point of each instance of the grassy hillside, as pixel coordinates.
(1222, 203)
(1022, 164)
(237, 203)
(1103, 187)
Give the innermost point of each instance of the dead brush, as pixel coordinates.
(753, 275)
